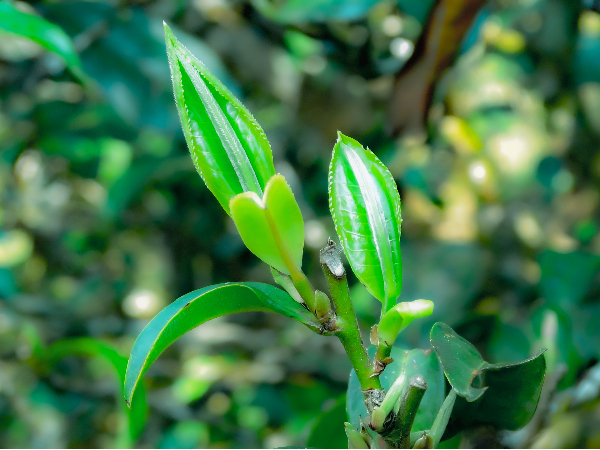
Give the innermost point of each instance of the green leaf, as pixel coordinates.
(513, 389)
(229, 148)
(461, 361)
(328, 430)
(49, 36)
(400, 317)
(197, 307)
(365, 206)
(134, 418)
(412, 362)
(272, 227)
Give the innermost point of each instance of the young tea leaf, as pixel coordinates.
(229, 148)
(365, 206)
(272, 227)
(400, 317)
(200, 306)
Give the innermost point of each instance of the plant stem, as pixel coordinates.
(348, 333)
(388, 304)
(305, 289)
(441, 420)
(383, 351)
(407, 411)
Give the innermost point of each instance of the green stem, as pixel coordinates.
(388, 304)
(383, 351)
(348, 333)
(399, 434)
(409, 405)
(350, 337)
(441, 420)
(305, 289)
(301, 282)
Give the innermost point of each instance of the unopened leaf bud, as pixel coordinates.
(424, 441)
(378, 417)
(355, 438)
(322, 305)
(400, 316)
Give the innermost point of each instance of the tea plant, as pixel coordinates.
(396, 398)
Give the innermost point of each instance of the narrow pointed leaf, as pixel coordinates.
(47, 34)
(200, 306)
(229, 148)
(512, 389)
(272, 227)
(365, 206)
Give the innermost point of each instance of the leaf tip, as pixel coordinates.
(244, 198)
(473, 393)
(129, 388)
(168, 33)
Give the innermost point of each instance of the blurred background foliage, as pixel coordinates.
(104, 220)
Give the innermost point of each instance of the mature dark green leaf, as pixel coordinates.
(413, 362)
(229, 148)
(328, 430)
(197, 307)
(513, 389)
(365, 205)
(461, 361)
(39, 30)
(135, 417)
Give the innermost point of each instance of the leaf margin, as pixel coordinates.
(285, 305)
(391, 277)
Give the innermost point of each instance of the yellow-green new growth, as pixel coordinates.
(272, 227)
(399, 317)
